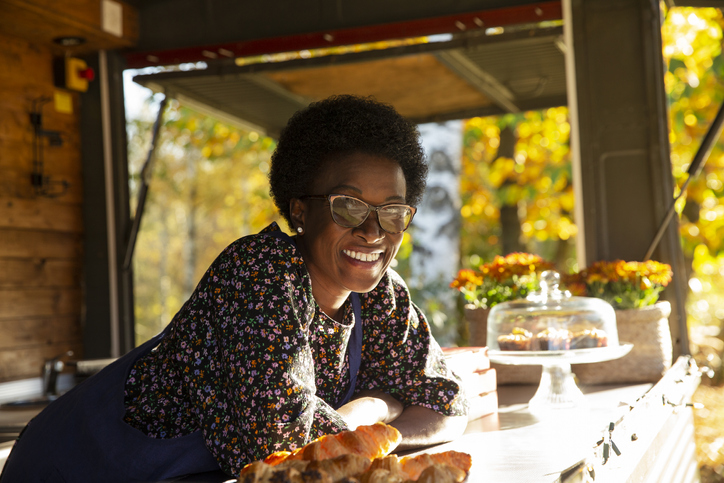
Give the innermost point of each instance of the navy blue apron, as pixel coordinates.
(82, 437)
(354, 349)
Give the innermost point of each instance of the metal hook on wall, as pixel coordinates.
(43, 184)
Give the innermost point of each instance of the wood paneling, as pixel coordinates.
(25, 66)
(28, 333)
(40, 21)
(17, 128)
(15, 183)
(58, 160)
(39, 272)
(38, 244)
(42, 214)
(40, 237)
(39, 302)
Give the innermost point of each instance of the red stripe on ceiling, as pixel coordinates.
(483, 19)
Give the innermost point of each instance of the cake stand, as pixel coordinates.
(557, 389)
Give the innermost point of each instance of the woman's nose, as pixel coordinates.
(370, 229)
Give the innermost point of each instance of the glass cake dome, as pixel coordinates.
(552, 320)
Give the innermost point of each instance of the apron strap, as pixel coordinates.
(354, 349)
(354, 346)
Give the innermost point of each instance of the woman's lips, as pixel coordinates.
(363, 257)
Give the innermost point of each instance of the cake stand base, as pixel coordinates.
(557, 390)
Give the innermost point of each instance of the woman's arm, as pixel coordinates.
(421, 426)
(418, 425)
(402, 358)
(370, 407)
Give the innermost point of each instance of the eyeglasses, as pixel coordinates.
(350, 212)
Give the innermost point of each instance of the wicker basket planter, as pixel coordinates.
(648, 329)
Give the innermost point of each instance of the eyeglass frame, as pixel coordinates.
(370, 209)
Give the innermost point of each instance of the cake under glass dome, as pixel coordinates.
(554, 329)
(552, 320)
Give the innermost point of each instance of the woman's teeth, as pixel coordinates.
(364, 257)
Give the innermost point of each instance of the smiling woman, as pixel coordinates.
(285, 339)
(343, 259)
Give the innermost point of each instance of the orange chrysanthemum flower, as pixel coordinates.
(623, 284)
(504, 278)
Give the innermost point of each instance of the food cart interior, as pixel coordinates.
(63, 285)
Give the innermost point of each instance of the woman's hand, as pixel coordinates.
(370, 407)
(421, 426)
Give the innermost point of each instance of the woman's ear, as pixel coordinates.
(296, 212)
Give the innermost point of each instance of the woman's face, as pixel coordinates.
(342, 260)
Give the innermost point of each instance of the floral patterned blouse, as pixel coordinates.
(254, 363)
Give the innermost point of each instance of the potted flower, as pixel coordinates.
(625, 285)
(505, 278)
(633, 288)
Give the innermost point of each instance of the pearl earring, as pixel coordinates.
(300, 230)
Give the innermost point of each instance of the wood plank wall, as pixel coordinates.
(40, 237)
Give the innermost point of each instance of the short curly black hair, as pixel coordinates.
(329, 129)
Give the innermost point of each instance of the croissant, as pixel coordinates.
(359, 456)
(287, 472)
(390, 463)
(288, 475)
(370, 441)
(310, 476)
(260, 472)
(441, 473)
(344, 466)
(277, 457)
(299, 465)
(413, 466)
(382, 475)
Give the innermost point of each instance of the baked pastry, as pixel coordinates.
(382, 475)
(390, 463)
(255, 472)
(552, 339)
(344, 466)
(518, 340)
(414, 466)
(441, 473)
(589, 338)
(277, 457)
(316, 462)
(371, 441)
(260, 472)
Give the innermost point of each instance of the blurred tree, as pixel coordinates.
(692, 39)
(516, 187)
(209, 187)
(692, 47)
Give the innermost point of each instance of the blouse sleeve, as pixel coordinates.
(399, 354)
(260, 397)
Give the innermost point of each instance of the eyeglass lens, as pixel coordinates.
(350, 212)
